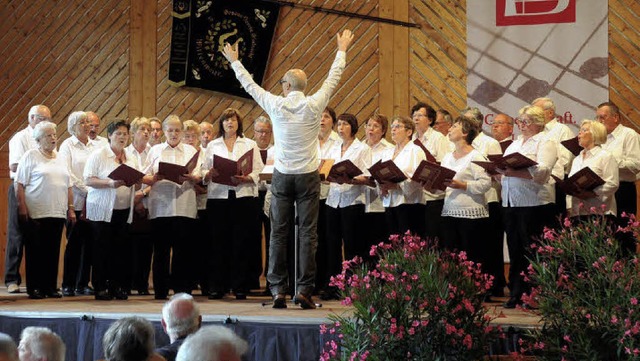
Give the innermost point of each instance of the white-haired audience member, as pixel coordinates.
(212, 343)
(180, 318)
(8, 348)
(40, 344)
(130, 339)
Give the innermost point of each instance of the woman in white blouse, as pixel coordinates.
(403, 202)
(344, 207)
(110, 210)
(528, 197)
(232, 210)
(591, 136)
(464, 214)
(45, 201)
(77, 255)
(172, 210)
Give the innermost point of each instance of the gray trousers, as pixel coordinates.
(303, 190)
(15, 241)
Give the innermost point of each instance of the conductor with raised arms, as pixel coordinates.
(296, 124)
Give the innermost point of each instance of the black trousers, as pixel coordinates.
(495, 246)
(77, 254)
(524, 225)
(468, 235)
(111, 252)
(141, 251)
(173, 270)
(433, 219)
(255, 252)
(42, 250)
(375, 230)
(232, 221)
(626, 203)
(15, 240)
(406, 217)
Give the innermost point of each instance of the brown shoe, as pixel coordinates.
(280, 301)
(306, 302)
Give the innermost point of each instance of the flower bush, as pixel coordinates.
(415, 303)
(586, 293)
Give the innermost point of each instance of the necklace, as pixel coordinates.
(49, 155)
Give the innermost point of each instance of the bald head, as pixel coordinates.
(297, 79)
(38, 113)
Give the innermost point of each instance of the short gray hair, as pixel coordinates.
(138, 122)
(181, 325)
(41, 128)
(209, 342)
(297, 78)
(74, 118)
(130, 339)
(43, 343)
(547, 103)
(8, 347)
(474, 114)
(264, 120)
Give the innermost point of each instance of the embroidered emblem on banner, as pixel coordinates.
(200, 30)
(533, 12)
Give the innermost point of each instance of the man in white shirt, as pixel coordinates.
(156, 131)
(94, 128)
(295, 179)
(19, 144)
(624, 144)
(557, 132)
(262, 135)
(207, 133)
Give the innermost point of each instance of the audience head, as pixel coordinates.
(293, 80)
(78, 124)
(37, 114)
(423, 116)
(180, 316)
(40, 344)
(376, 128)
(94, 124)
(8, 348)
(502, 127)
(156, 131)
(230, 122)
(172, 129)
(443, 121)
(347, 120)
(129, 339)
(212, 343)
(548, 108)
(262, 132)
(207, 133)
(531, 120)
(141, 130)
(608, 114)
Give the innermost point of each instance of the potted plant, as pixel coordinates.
(586, 293)
(411, 301)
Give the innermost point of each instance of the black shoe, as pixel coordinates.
(36, 295)
(280, 301)
(306, 302)
(68, 292)
(216, 295)
(328, 295)
(241, 295)
(54, 294)
(497, 292)
(85, 291)
(143, 292)
(160, 296)
(103, 295)
(120, 294)
(512, 302)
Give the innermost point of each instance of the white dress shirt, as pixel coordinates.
(19, 144)
(75, 154)
(407, 160)
(102, 201)
(241, 146)
(46, 184)
(487, 145)
(438, 145)
(520, 192)
(344, 195)
(624, 145)
(559, 132)
(604, 165)
(324, 151)
(373, 202)
(469, 203)
(295, 118)
(166, 198)
(100, 141)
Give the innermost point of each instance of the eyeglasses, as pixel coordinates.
(373, 126)
(42, 118)
(416, 115)
(282, 81)
(261, 131)
(398, 126)
(524, 121)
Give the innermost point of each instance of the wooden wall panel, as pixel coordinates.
(303, 39)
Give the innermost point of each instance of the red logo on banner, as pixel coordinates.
(533, 12)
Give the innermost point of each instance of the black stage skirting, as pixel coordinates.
(288, 340)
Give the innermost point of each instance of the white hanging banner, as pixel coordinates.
(519, 50)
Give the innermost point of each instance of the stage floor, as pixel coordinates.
(253, 309)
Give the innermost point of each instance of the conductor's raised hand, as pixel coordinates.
(230, 52)
(344, 40)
